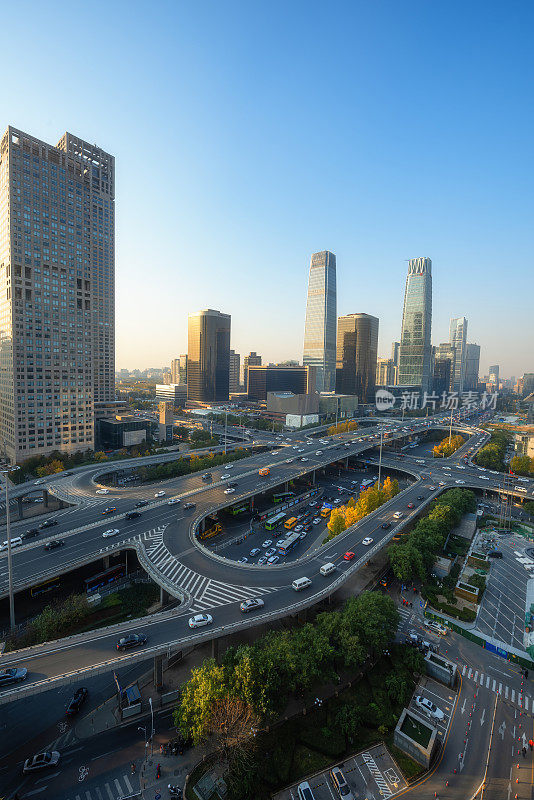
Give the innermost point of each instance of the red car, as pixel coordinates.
(411, 505)
(348, 556)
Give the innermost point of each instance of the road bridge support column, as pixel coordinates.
(286, 486)
(45, 498)
(158, 673)
(302, 616)
(347, 462)
(313, 476)
(20, 507)
(215, 650)
(105, 562)
(164, 596)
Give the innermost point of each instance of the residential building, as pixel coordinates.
(253, 360)
(524, 442)
(472, 364)
(208, 356)
(235, 369)
(320, 325)
(357, 344)
(415, 353)
(458, 339)
(386, 372)
(262, 380)
(57, 295)
(179, 370)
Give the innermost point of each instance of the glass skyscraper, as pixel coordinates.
(415, 354)
(458, 339)
(208, 356)
(320, 325)
(357, 345)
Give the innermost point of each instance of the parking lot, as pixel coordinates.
(502, 610)
(371, 774)
(442, 697)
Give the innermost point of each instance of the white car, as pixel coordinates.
(160, 494)
(459, 481)
(267, 543)
(460, 466)
(270, 552)
(316, 520)
(230, 490)
(435, 626)
(199, 620)
(367, 541)
(299, 528)
(173, 501)
(289, 460)
(102, 491)
(110, 532)
(262, 560)
(273, 560)
(229, 466)
(427, 705)
(225, 477)
(319, 453)
(304, 459)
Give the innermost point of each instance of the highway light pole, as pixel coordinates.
(225, 430)
(141, 728)
(450, 427)
(152, 732)
(380, 458)
(5, 470)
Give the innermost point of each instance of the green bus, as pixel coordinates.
(272, 522)
(239, 509)
(279, 498)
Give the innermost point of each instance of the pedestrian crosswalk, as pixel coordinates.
(205, 592)
(518, 697)
(114, 789)
(405, 616)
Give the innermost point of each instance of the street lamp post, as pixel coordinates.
(5, 470)
(450, 427)
(225, 430)
(152, 732)
(380, 458)
(142, 728)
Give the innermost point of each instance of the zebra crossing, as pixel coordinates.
(524, 701)
(406, 615)
(205, 592)
(114, 789)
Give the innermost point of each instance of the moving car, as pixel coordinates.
(132, 515)
(252, 604)
(102, 491)
(437, 627)
(41, 761)
(173, 501)
(243, 560)
(187, 506)
(131, 641)
(386, 525)
(199, 620)
(15, 542)
(410, 505)
(160, 494)
(207, 476)
(48, 523)
(367, 541)
(141, 503)
(30, 534)
(230, 490)
(348, 556)
(109, 510)
(77, 701)
(459, 481)
(427, 705)
(110, 532)
(12, 675)
(53, 544)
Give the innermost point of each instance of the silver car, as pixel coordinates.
(12, 675)
(41, 761)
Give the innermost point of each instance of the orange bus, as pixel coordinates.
(290, 523)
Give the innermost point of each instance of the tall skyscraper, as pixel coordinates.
(472, 364)
(57, 293)
(395, 347)
(444, 362)
(494, 374)
(235, 369)
(320, 325)
(386, 372)
(179, 370)
(357, 344)
(415, 354)
(252, 360)
(208, 356)
(458, 339)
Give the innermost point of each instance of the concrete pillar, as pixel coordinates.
(158, 673)
(286, 486)
(45, 498)
(164, 596)
(20, 508)
(313, 476)
(347, 462)
(251, 504)
(105, 562)
(215, 650)
(202, 526)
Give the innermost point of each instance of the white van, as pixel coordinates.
(301, 583)
(397, 515)
(520, 489)
(15, 541)
(328, 568)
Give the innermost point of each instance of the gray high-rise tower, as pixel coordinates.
(415, 354)
(57, 292)
(320, 326)
(458, 339)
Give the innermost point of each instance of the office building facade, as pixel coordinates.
(262, 380)
(235, 369)
(208, 356)
(458, 339)
(57, 292)
(179, 370)
(395, 348)
(494, 375)
(320, 324)
(386, 372)
(445, 352)
(253, 360)
(415, 352)
(357, 344)
(472, 366)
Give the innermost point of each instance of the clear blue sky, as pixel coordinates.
(250, 134)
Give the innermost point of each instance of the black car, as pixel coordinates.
(141, 503)
(233, 484)
(132, 640)
(207, 476)
(77, 701)
(186, 506)
(421, 497)
(53, 544)
(48, 523)
(495, 554)
(132, 515)
(30, 534)
(386, 525)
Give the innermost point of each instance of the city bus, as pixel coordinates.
(286, 545)
(215, 528)
(272, 522)
(239, 509)
(325, 511)
(43, 588)
(104, 578)
(290, 523)
(280, 497)
(365, 484)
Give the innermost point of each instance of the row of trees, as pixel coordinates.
(343, 427)
(53, 622)
(188, 464)
(522, 465)
(355, 510)
(254, 682)
(448, 446)
(417, 554)
(257, 423)
(491, 456)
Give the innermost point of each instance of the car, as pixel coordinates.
(233, 484)
(225, 477)
(367, 541)
(131, 641)
(160, 494)
(173, 501)
(254, 552)
(12, 675)
(337, 500)
(187, 506)
(46, 760)
(243, 560)
(304, 791)
(289, 460)
(48, 523)
(30, 534)
(270, 552)
(495, 554)
(431, 488)
(319, 453)
(348, 556)
(229, 466)
(386, 525)
(200, 620)
(267, 543)
(102, 491)
(460, 466)
(230, 490)
(428, 706)
(78, 699)
(459, 481)
(420, 497)
(251, 605)
(298, 528)
(273, 560)
(302, 535)
(316, 520)
(109, 510)
(132, 515)
(141, 503)
(262, 560)
(207, 476)
(340, 784)
(308, 527)
(436, 627)
(410, 505)
(53, 544)
(110, 532)
(483, 478)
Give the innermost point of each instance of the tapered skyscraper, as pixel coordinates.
(458, 339)
(415, 355)
(320, 326)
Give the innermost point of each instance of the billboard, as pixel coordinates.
(298, 420)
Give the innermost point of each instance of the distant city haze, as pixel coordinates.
(241, 149)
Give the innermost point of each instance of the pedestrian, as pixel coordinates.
(133, 767)
(524, 751)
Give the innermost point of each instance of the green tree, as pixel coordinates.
(522, 465)
(205, 686)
